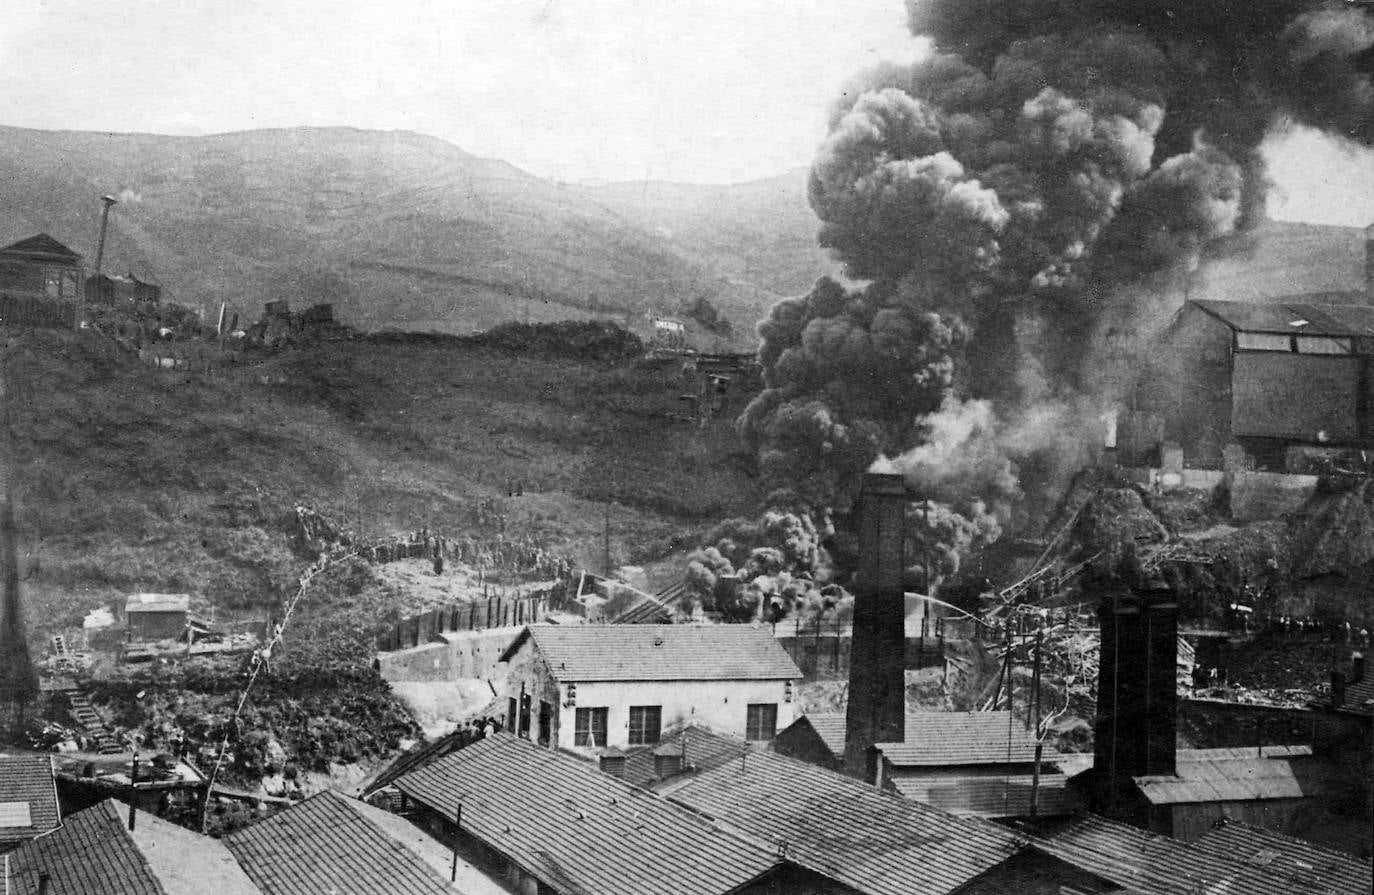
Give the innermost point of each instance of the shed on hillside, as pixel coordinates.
(128, 289)
(40, 283)
(157, 616)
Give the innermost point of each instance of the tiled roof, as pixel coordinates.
(830, 727)
(1226, 778)
(418, 756)
(331, 843)
(579, 830)
(1151, 864)
(705, 749)
(992, 795)
(1359, 697)
(1294, 316)
(158, 603)
(1288, 858)
(877, 843)
(95, 853)
(27, 780)
(961, 738)
(658, 652)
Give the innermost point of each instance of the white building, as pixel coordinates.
(588, 687)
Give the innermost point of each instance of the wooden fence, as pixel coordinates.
(493, 612)
(19, 310)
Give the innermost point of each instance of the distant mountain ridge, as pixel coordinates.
(395, 228)
(402, 230)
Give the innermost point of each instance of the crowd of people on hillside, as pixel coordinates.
(1330, 630)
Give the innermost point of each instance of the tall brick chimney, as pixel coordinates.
(877, 685)
(1136, 729)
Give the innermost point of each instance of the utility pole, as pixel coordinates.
(607, 541)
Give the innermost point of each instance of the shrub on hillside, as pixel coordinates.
(595, 341)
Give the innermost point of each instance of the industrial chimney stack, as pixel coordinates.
(1135, 733)
(877, 684)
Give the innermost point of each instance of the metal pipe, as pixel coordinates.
(109, 201)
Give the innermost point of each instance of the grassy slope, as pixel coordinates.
(394, 228)
(132, 480)
(1281, 258)
(761, 232)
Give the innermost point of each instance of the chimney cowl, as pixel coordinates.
(1337, 688)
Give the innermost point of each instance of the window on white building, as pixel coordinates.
(646, 724)
(589, 728)
(761, 722)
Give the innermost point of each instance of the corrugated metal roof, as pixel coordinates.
(961, 738)
(1150, 864)
(1288, 858)
(28, 780)
(1298, 316)
(158, 603)
(874, 842)
(330, 843)
(704, 749)
(658, 652)
(579, 830)
(1227, 778)
(992, 795)
(94, 853)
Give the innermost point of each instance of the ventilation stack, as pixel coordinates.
(877, 685)
(1136, 729)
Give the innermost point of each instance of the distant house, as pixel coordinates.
(978, 763)
(28, 799)
(40, 283)
(95, 852)
(129, 289)
(331, 843)
(157, 616)
(595, 686)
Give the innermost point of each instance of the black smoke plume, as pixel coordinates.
(1036, 186)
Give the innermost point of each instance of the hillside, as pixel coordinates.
(130, 480)
(1281, 258)
(761, 232)
(395, 228)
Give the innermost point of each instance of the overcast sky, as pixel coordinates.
(706, 91)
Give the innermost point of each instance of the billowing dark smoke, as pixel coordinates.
(1037, 185)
